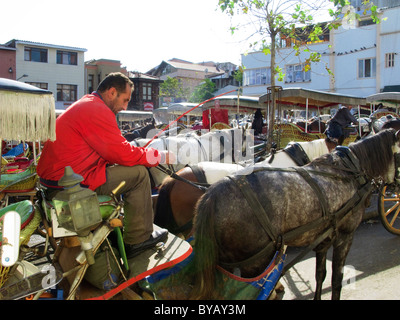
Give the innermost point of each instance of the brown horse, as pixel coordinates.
(334, 194)
(177, 198)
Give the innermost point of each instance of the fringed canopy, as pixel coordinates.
(26, 112)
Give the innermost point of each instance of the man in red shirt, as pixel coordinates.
(88, 139)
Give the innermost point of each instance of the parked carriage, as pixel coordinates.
(28, 113)
(389, 195)
(218, 113)
(305, 100)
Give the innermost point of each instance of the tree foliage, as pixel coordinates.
(293, 19)
(203, 91)
(290, 18)
(172, 87)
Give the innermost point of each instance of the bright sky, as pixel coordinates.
(141, 34)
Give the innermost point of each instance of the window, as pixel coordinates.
(66, 92)
(66, 57)
(389, 60)
(35, 54)
(257, 76)
(41, 85)
(90, 83)
(297, 73)
(367, 68)
(365, 22)
(146, 91)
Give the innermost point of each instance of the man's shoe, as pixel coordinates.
(132, 250)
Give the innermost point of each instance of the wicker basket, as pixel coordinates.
(20, 181)
(220, 126)
(287, 132)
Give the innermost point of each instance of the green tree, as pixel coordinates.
(265, 20)
(173, 88)
(203, 91)
(238, 75)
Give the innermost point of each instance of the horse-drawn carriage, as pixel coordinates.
(225, 206)
(221, 111)
(28, 113)
(389, 195)
(305, 100)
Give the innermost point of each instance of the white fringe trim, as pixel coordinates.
(26, 116)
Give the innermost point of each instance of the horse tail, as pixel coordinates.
(205, 258)
(163, 212)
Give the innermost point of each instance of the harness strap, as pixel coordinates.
(245, 188)
(297, 154)
(203, 151)
(353, 204)
(198, 173)
(175, 176)
(313, 184)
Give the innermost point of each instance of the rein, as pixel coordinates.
(202, 186)
(186, 112)
(202, 183)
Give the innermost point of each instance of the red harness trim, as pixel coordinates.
(129, 282)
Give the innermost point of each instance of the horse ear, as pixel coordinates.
(398, 135)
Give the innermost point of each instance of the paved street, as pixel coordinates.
(372, 269)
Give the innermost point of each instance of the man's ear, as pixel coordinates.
(112, 92)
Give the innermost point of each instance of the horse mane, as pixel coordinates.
(375, 163)
(314, 148)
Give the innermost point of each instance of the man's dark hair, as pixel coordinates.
(115, 80)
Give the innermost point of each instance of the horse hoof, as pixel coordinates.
(279, 287)
(273, 295)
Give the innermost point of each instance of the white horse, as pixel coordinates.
(220, 146)
(177, 199)
(281, 159)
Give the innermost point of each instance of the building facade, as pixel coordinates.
(363, 58)
(7, 62)
(189, 74)
(145, 95)
(97, 70)
(59, 69)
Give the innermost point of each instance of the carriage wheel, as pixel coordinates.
(389, 209)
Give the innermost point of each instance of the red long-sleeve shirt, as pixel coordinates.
(87, 139)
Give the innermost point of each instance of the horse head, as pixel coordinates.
(379, 155)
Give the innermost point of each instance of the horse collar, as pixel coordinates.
(297, 153)
(351, 162)
(348, 157)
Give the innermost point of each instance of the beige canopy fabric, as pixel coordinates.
(235, 104)
(132, 115)
(26, 112)
(300, 98)
(181, 108)
(384, 97)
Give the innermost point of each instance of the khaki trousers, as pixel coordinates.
(138, 210)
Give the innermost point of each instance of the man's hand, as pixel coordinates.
(167, 157)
